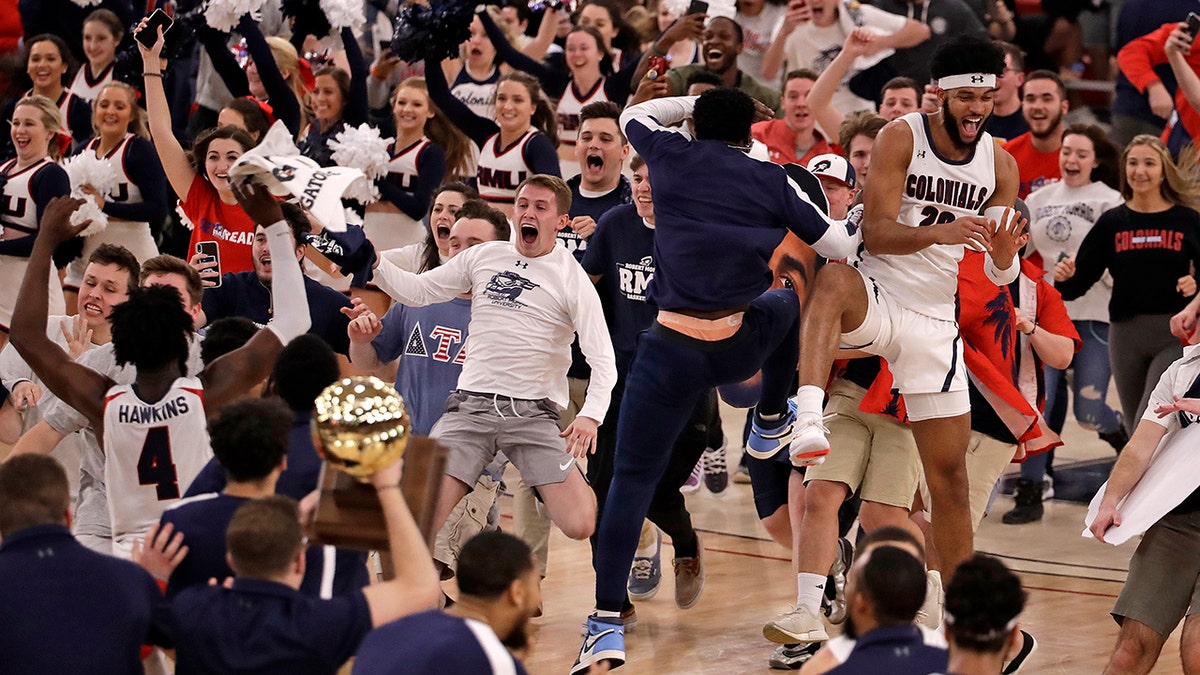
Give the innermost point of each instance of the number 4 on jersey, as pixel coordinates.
(155, 466)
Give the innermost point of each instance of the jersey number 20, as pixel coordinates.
(931, 215)
(155, 466)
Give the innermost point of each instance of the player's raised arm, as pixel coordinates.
(82, 388)
(231, 375)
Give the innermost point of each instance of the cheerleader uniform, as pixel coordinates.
(86, 86)
(413, 174)
(139, 199)
(24, 196)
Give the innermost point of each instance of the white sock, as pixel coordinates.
(602, 614)
(810, 399)
(810, 588)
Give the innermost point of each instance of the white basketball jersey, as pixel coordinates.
(18, 208)
(88, 88)
(126, 192)
(152, 452)
(569, 107)
(936, 190)
(502, 170)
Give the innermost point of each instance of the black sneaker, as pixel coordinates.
(1029, 503)
(716, 475)
(791, 657)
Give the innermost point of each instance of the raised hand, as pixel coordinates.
(77, 334)
(55, 225)
(1010, 234)
(581, 436)
(257, 201)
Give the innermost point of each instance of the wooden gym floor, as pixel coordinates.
(1072, 583)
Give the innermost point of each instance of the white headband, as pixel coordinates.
(967, 80)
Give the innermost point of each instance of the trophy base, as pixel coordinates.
(348, 514)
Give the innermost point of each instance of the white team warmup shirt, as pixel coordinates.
(525, 313)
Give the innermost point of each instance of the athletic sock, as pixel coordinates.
(810, 399)
(605, 614)
(810, 588)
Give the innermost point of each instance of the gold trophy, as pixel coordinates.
(361, 426)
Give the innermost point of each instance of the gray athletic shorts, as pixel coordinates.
(476, 426)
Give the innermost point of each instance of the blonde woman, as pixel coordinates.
(1148, 245)
(30, 181)
(140, 199)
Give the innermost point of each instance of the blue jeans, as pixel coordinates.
(1092, 374)
(669, 373)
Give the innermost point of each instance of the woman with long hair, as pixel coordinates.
(201, 180)
(435, 250)
(102, 32)
(30, 180)
(1061, 215)
(139, 203)
(620, 39)
(520, 143)
(338, 99)
(1147, 245)
(48, 64)
(589, 77)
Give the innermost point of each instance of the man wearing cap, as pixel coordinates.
(932, 177)
(793, 139)
(837, 181)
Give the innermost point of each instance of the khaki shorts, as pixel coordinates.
(986, 460)
(1162, 587)
(468, 519)
(874, 451)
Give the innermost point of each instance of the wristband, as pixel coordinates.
(1031, 331)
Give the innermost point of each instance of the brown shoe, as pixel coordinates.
(689, 577)
(629, 618)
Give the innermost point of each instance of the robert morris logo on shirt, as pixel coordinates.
(505, 287)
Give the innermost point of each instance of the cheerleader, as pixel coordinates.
(30, 180)
(48, 63)
(338, 98)
(140, 198)
(102, 32)
(520, 143)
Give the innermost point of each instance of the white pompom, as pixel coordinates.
(362, 148)
(183, 219)
(223, 15)
(88, 169)
(344, 14)
(87, 3)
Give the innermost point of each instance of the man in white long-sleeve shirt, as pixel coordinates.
(529, 299)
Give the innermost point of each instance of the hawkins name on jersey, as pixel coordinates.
(162, 411)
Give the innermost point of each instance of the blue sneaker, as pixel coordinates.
(765, 442)
(646, 573)
(604, 640)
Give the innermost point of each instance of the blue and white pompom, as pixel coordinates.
(364, 149)
(432, 32)
(87, 169)
(223, 15)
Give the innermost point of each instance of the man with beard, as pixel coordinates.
(885, 589)
(500, 589)
(933, 175)
(1043, 104)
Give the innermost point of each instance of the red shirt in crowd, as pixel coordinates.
(226, 224)
(781, 143)
(1138, 59)
(1037, 168)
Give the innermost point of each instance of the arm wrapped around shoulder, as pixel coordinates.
(290, 317)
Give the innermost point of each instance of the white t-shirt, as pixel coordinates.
(815, 47)
(1060, 217)
(1175, 381)
(525, 313)
(760, 31)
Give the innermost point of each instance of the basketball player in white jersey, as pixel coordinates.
(932, 177)
(154, 432)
